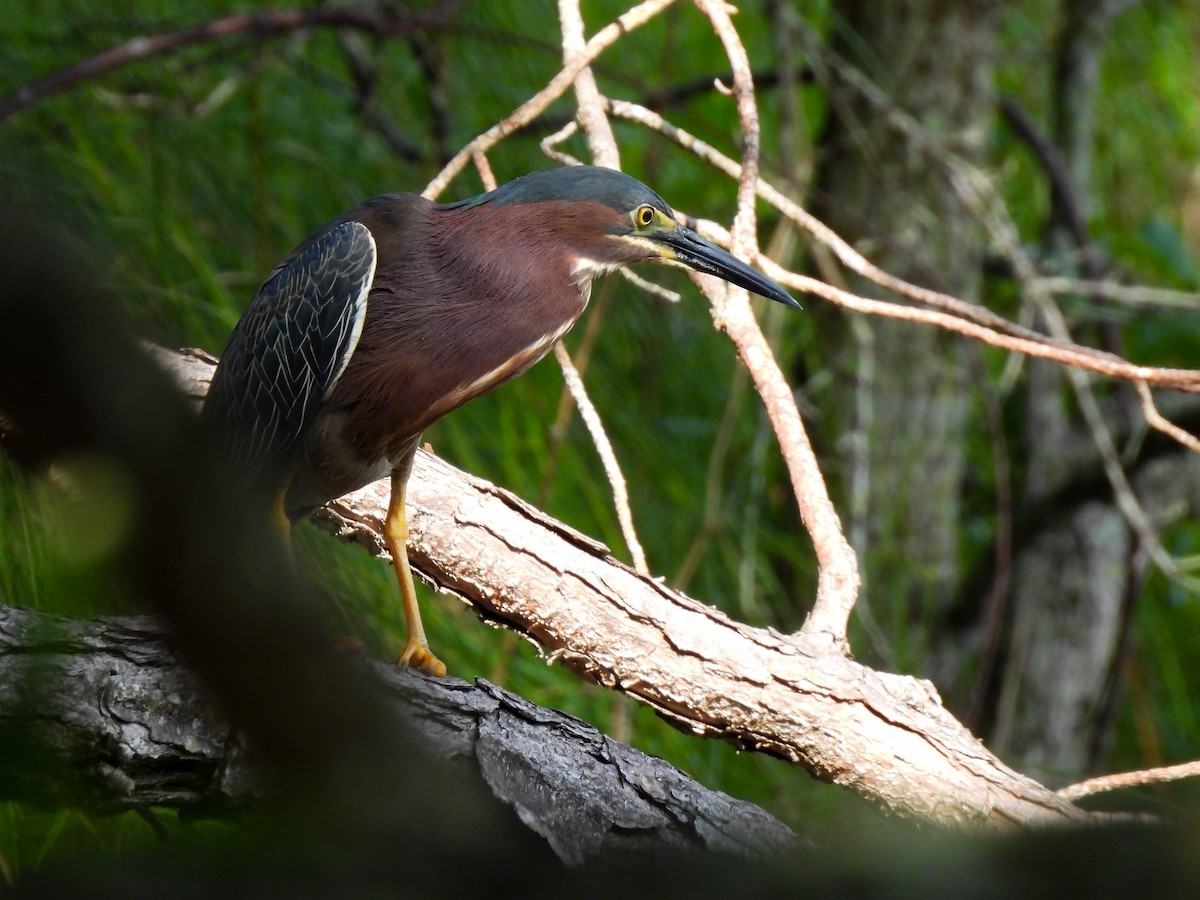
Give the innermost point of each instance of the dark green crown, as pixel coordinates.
(570, 183)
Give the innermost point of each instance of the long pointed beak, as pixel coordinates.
(694, 252)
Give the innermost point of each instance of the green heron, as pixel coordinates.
(402, 310)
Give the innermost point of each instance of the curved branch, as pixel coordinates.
(838, 577)
(555, 88)
(887, 737)
(1124, 780)
(947, 312)
(608, 457)
(264, 24)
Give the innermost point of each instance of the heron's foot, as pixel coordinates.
(418, 656)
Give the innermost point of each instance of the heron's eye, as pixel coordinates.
(644, 216)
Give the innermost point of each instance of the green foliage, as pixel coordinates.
(1147, 142)
(197, 170)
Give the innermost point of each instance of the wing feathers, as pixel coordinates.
(291, 346)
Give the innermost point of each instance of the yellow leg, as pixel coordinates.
(416, 651)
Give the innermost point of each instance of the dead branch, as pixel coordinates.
(887, 737)
(802, 698)
(266, 23)
(608, 456)
(555, 88)
(1123, 780)
(949, 313)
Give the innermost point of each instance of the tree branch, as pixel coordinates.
(266, 23)
(555, 88)
(887, 737)
(1122, 780)
(117, 723)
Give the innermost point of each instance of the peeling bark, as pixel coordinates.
(887, 737)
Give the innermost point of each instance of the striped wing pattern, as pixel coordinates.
(291, 346)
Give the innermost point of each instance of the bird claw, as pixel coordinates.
(417, 656)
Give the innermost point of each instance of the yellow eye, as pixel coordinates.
(644, 216)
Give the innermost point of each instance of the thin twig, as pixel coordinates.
(1129, 779)
(654, 290)
(949, 312)
(1131, 294)
(595, 427)
(1156, 419)
(555, 88)
(586, 346)
(266, 24)
(550, 143)
(1030, 344)
(837, 578)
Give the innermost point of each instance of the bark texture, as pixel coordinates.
(101, 714)
(885, 736)
(1076, 583)
(1074, 579)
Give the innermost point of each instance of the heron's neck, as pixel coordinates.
(512, 259)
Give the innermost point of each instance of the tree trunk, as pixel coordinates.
(902, 393)
(1071, 587)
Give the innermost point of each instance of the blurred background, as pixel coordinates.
(996, 560)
